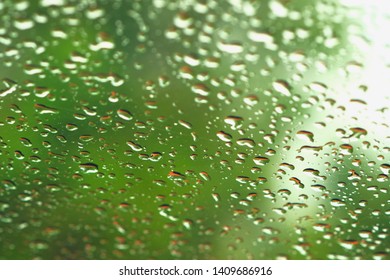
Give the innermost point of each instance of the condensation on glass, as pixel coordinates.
(191, 129)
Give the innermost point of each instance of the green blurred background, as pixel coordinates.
(191, 129)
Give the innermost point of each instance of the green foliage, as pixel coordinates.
(194, 130)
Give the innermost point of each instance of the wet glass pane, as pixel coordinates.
(173, 129)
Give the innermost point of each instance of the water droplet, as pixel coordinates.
(89, 168)
(124, 114)
(337, 203)
(282, 87)
(224, 136)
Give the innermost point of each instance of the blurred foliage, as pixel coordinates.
(191, 129)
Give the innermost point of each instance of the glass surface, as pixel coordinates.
(195, 129)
